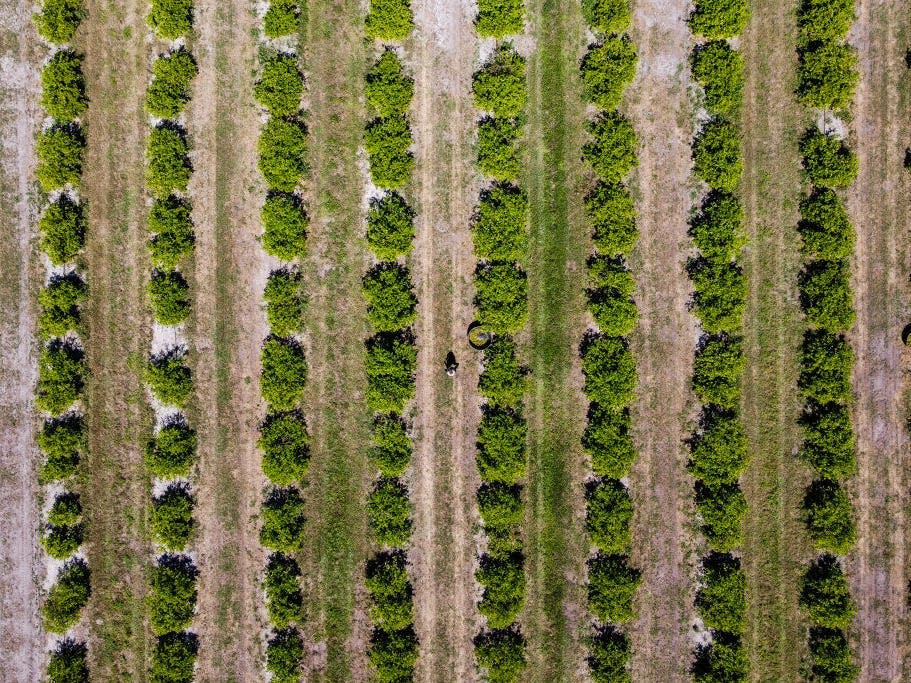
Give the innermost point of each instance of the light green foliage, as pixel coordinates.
(825, 368)
(714, 19)
(390, 226)
(285, 226)
(498, 156)
(285, 301)
(717, 371)
(62, 230)
(389, 513)
(169, 297)
(609, 512)
(825, 594)
(718, 229)
(499, 231)
(716, 155)
(171, 19)
(829, 517)
(824, 20)
(284, 373)
(607, 69)
(607, 16)
(67, 597)
(167, 160)
(499, 86)
(612, 583)
(721, 600)
(60, 151)
(610, 301)
(827, 161)
(825, 295)
(285, 656)
(829, 442)
(66, 510)
(391, 302)
(390, 364)
(503, 381)
(825, 226)
(282, 18)
(173, 451)
(169, 378)
(503, 581)
(60, 542)
(612, 148)
(609, 651)
(173, 658)
(68, 663)
(388, 88)
(612, 214)
(61, 304)
(286, 447)
(607, 439)
(722, 509)
(63, 87)
(718, 68)
(827, 76)
(283, 153)
(386, 579)
(61, 440)
(58, 20)
(284, 600)
(500, 506)
(499, 18)
(280, 86)
(171, 518)
(720, 295)
(389, 20)
(502, 654)
(610, 371)
(283, 521)
(169, 92)
(387, 140)
(501, 297)
(61, 377)
(501, 446)
(172, 228)
(392, 446)
(719, 452)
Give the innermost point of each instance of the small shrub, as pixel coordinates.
(388, 88)
(167, 160)
(60, 542)
(68, 663)
(826, 361)
(173, 451)
(715, 19)
(169, 378)
(387, 140)
(285, 444)
(718, 68)
(282, 18)
(284, 600)
(390, 363)
(61, 304)
(831, 654)
(171, 520)
(67, 597)
(390, 226)
(609, 512)
(501, 446)
(612, 583)
(721, 601)
(827, 161)
(61, 377)
(825, 226)
(825, 295)
(718, 229)
(389, 513)
(500, 506)
(173, 658)
(393, 654)
(285, 656)
(499, 228)
(720, 295)
(719, 452)
(392, 447)
(824, 20)
(610, 372)
(609, 652)
(502, 654)
(283, 521)
(607, 439)
(612, 149)
(718, 369)
(498, 157)
(285, 302)
(722, 509)
(501, 297)
(389, 20)
(386, 579)
(60, 151)
(610, 301)
(280, 86)
(62, 230)
(716, 155)
(284, 373)
(825, 594)
(285, 226)
(499, 18)
(58, 20)
(830, 519)
(612, 214)
(61, 440)
(171, 19)
(283, 154)
(503, 581)
(66, 510)
(63, 87)
(503, 381)
(499, 86)
(391, 302)
(607, 69)
(827, 76)
(607, 16)
(169, 92)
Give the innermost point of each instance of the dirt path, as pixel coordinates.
(227, 331)
(19, 556)
(775, 547)
(878, 205)
(442, 56)
(662, 491)
(117, 495)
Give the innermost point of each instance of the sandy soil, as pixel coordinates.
(664, 342)
(228, 328)
(878, 204)
(444, 480)
(19, 557)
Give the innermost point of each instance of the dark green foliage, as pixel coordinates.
(280, 85)
(66, 510)
(63, 87)
(389, 20)
(172, 594)
(390, 363)
(61, 303)
(169, 92)
(610, 301)
(61, 377)
(285, 444)
(714, 19)
(722, 509)
(283, 521)
(284, 373)
(503, 381)
(387, 140)
(285, 302)
(392, 446)
(827, 161)
(501, 446)
(612, 214)
(824, 20)
(720, 295)
(610, 371)
(607, 69)
(612, 583)
(825, 226)
(169, 297)
(498, 157)
(718, 229)
(284, 600)
(62, 230)
(831, 654)
(827, 76)
(499, 86)
(825, 295)
(285, 656)
(502, 654)
(282, 18)
(62, 541)
(609, 651)
(68, 663)
(61, 440)
(389, 513)
(503, 580)
(167, 160)
(722, 661)
(171, 520)
(829, 517)
(612, 148)
(609, 511)
(825, 594)
(171, 19)
(386, 579)
(501, 297)
(721, 601)
(173, 240)
(607, 16)
(60, 151)
(500, 506)
(718, 68)
(173, 450)
(716, 155)
(499, 228)
(393, 655)
(58, 20)
(719, 450)
(390, 226)
(391, 303)
(283, 154)
(828, 444)
(388, 88)
(607, 439)
(67, 597)
(499, 18)
(285, 226)
(718, 369)
(173, 658)
(825, 368)
(169, 378)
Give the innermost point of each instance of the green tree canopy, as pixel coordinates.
(391, 302)
(286, 302)
(827, 161)
(607, 16)
(168, 165)
(829, 516)
(612, 214)
(718, 68)
(503, 380)
(612, 148)
(171, 520)
(501, 453)
(171, 19)
(389, 20)
(721, 599)
(609, 512)
(390, 363)
(388, 88)
(169, 378)
(387, 140)
(284, 373)
(62, 230)
(612, 584)
(283, 153)
(390, 226)
(825, 594)
(282, 521)
(715, 19)
(610, 371)
(716, 155)
(285, 224)
(173, 450)
(608, 441)
(499, 86)
(825, 226)
(280, 85)
(499, 18)
(501, 296)
(61, 305)
(61, 377)
(58, 20)
(825, 295)
(169, 93)
(169, 297)
(499, 229)
(63, 87)
(60, 151)
(607, 68)
(827, 76)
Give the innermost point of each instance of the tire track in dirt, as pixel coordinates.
(877, 204)
(446, 415)
(20, 561)
(663, 344)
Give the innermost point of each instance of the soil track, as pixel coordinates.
(662, 491)
(19, 556)
(878, 204)
(227, 330)
(442, 56)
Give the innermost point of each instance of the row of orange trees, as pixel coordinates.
(61, 331)
(718, 447)
(500, 239)
(608, 365)
(391, 354)
(170, 454)
(827, 77)
(284, 438)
